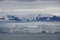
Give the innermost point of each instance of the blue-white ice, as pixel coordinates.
(31, 27)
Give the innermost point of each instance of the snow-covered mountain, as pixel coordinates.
(30, 17)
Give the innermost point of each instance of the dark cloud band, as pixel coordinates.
(29, 0)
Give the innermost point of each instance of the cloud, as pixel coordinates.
(50, 7)
(49, 10)
(14, 4)
(36, 0)
(31, 0)
(25, 0)
(17, 0)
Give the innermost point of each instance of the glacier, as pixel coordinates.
(29, 23)
(30, 27)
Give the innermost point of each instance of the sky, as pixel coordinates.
(18, 7)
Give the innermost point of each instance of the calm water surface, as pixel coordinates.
(42, 36)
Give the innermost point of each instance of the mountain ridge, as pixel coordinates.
(30, 17)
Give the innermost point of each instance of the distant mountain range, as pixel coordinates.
(30, 18)
(54, 18)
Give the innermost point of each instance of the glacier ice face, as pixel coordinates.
(32, 27)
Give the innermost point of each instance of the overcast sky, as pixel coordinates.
(30, 6)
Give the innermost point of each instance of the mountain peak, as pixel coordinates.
(30, 17)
